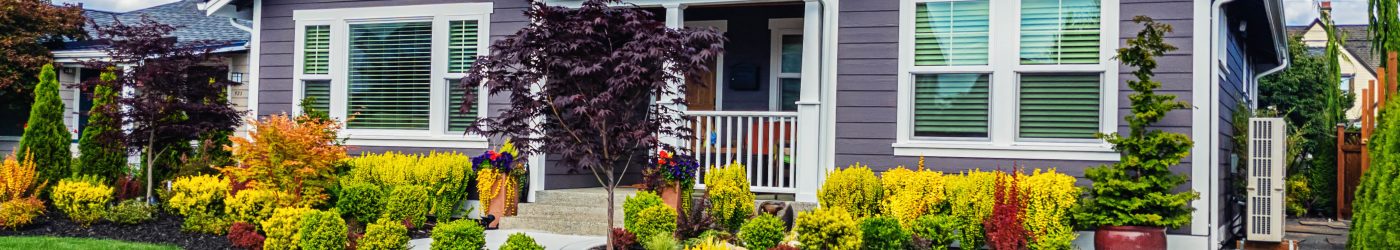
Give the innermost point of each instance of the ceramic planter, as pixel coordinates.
(497, 205)
(1130, 237)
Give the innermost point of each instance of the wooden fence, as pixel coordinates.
(1353, 157)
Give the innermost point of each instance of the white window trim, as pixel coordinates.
(437, 135)
(777, 28)
(1004, 68)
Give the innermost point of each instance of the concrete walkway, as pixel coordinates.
(495, 238)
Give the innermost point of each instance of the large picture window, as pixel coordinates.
(392, 74)
(1042, 89)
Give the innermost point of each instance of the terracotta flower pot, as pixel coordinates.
(670, 195)
(498, 203)
(1130, 237)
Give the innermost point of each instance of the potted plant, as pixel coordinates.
(674, 177)
(496, 182)
(1132, 202)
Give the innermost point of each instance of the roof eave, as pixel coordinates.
(1274, 12)
(225, 8)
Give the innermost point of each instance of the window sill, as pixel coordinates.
(1025, 150)
(417, 141)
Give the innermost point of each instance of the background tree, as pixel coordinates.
(46, 138)
(177, 92)
(103, 153)
(1308, 94)
(589, 77)
(28, 30)
(1139, 189)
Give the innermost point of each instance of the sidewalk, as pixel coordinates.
(495, 238)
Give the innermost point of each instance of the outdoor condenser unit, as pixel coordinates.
(1267, 142)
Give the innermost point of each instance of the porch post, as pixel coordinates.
(675, 19)
(809, 106)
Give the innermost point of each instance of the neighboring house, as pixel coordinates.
(807, 86)
(192, 25)
(1358, 61)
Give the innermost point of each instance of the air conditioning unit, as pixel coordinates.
(1267, 142)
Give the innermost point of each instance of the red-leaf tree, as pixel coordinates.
(598, 85)
(28, 29)
(178, 90)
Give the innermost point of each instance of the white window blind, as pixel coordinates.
(457, 120)
(1060, 31)
(316, 50)
(1064, 106)
(390, 75)
(462, 46)
(951, 105)
(318, 94)
(951, 33)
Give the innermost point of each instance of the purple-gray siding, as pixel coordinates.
(867, 71)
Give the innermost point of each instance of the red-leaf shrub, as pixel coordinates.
(127, 188)
(621, 238)
(245, 235)
(1004, 230)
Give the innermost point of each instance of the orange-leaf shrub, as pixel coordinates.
(17, 178)
(295, 158)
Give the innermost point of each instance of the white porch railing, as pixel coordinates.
(762, 141)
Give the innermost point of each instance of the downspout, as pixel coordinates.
(1216, 34)
(234, 22)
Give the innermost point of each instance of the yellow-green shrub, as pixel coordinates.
(20, 212)
(730, 200)
(283, 227)
(655, 220)
(84, 199)
(384, 234)
(446, 174)
(854, 189)
(1049, 197)
(251, 205)
(970, 200)
(910, 194)
(322, 230)
(827, 228)
(632, 208)
(200, 198)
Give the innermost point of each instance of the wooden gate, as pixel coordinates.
(1349, 147)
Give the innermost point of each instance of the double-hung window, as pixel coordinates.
(1018, 79)
(392, 74)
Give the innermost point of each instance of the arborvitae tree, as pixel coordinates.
(1376, 210)
(46, 138)
(101, 148)
(1138, 190)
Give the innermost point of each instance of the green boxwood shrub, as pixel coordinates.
(384, 235)
(935, 231)
(520, 241)
(459, 235)
(762, 232)
(360, 200)
(634, 205)
(132, 211)
(828, 228)
(322, 230)
(408, 203)
(882, 232)
(659, 219)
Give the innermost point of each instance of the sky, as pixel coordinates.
(1297, 12)
(116, 5)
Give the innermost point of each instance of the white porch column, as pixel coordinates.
(537, 168)
(809, 175)
(675, 19)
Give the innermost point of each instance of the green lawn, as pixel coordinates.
(57, 243)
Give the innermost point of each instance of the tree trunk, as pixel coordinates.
(611, 211)
(150, 164)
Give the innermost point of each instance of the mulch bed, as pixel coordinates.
(164, 229)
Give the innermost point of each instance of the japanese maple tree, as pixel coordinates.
(599, 85)
(28, 30)
(177, 90)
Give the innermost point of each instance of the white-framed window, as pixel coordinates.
(392, 73)
(785, 63)
(1025, 79)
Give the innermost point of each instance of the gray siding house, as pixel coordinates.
(810, 85)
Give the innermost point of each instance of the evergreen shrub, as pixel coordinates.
(46, 139)
(322, 230)
(828, 228)
(459, 235)
(408, 203)
(762, 232)
(854, 189)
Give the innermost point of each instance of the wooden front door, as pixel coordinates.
(702, 91)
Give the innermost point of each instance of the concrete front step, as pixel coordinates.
(575, 226)
(583, 197)
(566, 211)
